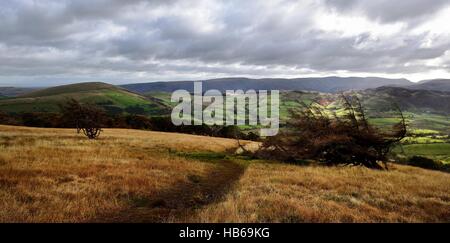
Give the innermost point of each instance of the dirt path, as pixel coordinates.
(179, 202)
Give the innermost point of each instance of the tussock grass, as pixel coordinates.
(55, 175)
(272, 192)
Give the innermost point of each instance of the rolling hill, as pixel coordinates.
(427, 109)
(429, 101)
(70, 89)
(14, 91)
(113, 99)
(327, 84)
(424, 109)
(435, 84)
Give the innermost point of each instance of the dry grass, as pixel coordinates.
(270, 192)
(55, 175)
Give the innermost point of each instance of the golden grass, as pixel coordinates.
(55, 175)
(270, 192)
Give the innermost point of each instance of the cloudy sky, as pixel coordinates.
(49, 42)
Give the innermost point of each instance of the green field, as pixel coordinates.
(428, 132)
(112, 99)
(436, 151)
(419, 122)
(162, 96)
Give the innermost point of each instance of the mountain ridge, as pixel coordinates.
(434, 101)
(433, 84)
(330, 84)
(15, 91)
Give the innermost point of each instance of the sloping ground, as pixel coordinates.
(55, 175)
(180, 201)
(410, 100)
(111, 98)
(437, 151)
(423, 109)
(271, 192)
(436, 84)
(71, 88)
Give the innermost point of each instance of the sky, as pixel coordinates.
(51, 42)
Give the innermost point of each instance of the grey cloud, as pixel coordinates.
(388, 10)
(168, 39)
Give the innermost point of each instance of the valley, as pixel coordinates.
(427, 111)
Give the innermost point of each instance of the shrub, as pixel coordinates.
(349, 139)
(139, 122)
(41, 119)
(425, 163)
(86, 118)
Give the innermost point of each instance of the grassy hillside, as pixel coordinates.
(423, 109)
(55, 175)
(436, 84)
(437, 151)
(272, 192)
(113, 99)
(381, 99)
(69, 89)
(428, 131)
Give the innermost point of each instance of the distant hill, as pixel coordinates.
(408, 99)
(113, 99)
(327, 84)
(379, 101)
(430, 109)
(425, 109)
(13, 91)
(118, 99)
(435, 84)
(70, 88)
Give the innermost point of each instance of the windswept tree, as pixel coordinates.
(314, 133)
(88, 119)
